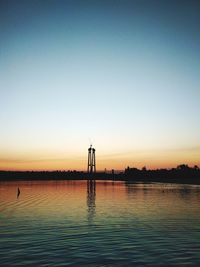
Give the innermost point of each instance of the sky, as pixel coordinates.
(122, 75)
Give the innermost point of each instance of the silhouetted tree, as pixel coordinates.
(183, 167)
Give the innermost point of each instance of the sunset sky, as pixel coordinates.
(124, 75)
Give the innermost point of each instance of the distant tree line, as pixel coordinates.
(181, 174)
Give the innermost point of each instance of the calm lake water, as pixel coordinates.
(76, 223)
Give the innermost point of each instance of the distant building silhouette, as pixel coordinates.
(91, 167)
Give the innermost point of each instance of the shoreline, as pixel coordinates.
(158, 176)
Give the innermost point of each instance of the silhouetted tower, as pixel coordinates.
(91, 160)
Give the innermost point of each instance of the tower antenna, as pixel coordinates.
(90, 141)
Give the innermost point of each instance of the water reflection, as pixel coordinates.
(91, 197)
(69, 223)
(157, 190)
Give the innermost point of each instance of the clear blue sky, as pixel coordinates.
(125, 74)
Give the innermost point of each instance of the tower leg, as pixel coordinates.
(91, 167)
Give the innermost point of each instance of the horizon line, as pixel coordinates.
(98, 171)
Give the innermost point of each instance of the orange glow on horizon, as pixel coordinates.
(101, 165)
(51, 161)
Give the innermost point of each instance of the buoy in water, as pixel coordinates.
(18, 192)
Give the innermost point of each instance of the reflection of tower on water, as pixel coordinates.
(91, 196)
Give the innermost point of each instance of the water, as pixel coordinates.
(73, 223)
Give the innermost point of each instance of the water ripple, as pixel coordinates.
(64, 224)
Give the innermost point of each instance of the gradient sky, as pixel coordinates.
(124, 74)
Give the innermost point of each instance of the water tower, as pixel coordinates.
(91, 168)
